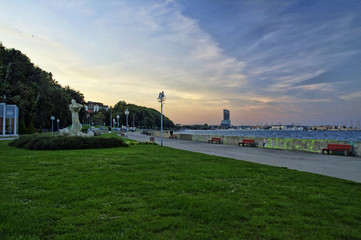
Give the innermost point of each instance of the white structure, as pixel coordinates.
(75, 108)
(94, 107)
(9, 115)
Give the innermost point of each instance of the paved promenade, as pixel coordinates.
(330, 165)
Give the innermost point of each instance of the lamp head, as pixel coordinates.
(161, 97)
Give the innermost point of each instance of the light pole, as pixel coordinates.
(118, 119)
(126, 114)
(52, 118)
(57, 120)
(161, 99)
(133, 122)
(111, 116)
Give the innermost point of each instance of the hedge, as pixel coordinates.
(46, 142)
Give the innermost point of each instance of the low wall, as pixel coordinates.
(307, 145)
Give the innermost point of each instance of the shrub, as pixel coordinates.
(45, 142)
(85, 128)
(22, 127)
(31, 128)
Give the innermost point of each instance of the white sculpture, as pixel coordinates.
(76, 126)
(64, 132)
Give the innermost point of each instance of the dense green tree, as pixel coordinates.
(31, 128)
(99, 118)
(22, 127)
(143, 117)
(37, 94)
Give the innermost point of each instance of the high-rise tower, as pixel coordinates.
(226, 122)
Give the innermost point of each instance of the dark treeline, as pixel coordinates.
(143, 117)
(39, 96)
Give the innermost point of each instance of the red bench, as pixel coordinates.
(337, 148)
(173, 136)
(249, 142)
(215, 140)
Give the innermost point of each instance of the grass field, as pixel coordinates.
(153, 192)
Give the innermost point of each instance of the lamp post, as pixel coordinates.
(161, 98)
(126, 114)
(118, 119)
(133, 122)
(111, 116)
(57, 120)
(52, 118)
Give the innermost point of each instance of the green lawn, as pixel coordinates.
(153, 192)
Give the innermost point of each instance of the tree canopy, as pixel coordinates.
(143, 117)
(39, 96)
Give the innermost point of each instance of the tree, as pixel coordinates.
(99, 118)
(22, 127)
(144, 116)
(31, 128)
(37, 94)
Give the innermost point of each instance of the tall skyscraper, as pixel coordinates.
(226, 122)
(225, 114)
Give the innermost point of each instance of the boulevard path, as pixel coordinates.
(330, 165)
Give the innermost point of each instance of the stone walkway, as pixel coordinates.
(7, 138)
(330, 165)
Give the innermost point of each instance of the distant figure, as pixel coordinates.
(171, 136)
(75, 108)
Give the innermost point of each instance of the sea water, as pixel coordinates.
(321, 135)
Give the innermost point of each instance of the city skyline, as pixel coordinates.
(265, 61)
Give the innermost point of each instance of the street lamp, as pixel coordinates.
(52, 118)
(57, 120)
(111, 116)
(118, 119)
(133, 122)
(126, 114)
(161, 98)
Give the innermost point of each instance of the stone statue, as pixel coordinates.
(76, 126)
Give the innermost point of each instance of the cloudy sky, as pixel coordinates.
(266, 61)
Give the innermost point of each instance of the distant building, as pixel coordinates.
(93, 107)
(226, 122)
(276, 127)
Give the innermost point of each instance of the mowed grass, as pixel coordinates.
(154, 192)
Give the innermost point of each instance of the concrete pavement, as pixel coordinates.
(330, 165)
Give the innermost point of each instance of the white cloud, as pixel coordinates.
(351, 96)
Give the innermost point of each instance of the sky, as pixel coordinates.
(266, 61)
